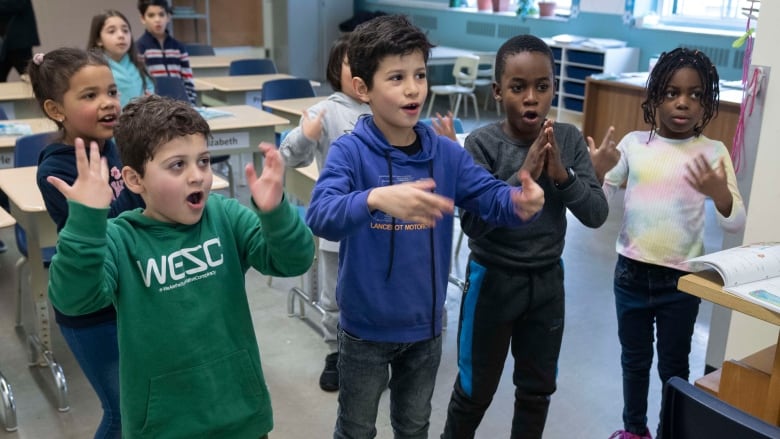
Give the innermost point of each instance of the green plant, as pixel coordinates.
(526, 8)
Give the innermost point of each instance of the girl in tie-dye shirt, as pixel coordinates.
(669, 172)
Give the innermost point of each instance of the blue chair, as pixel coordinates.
(456, 123)
(688, 412)
(199, 49)
(3, 116)
(252, 66)
(26, 153)
(286, 88)
(171, 87)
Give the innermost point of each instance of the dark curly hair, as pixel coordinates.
(151, 121)
(669, 63)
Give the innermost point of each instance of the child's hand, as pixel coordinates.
(603, 157)
(531, 199)
(444, 125)
(412, 201)
(267, 191)
(91, 187)
(537, 154)
(710, 182)
(554, 166)
(312, 126)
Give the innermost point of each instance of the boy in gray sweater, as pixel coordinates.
(320, 125)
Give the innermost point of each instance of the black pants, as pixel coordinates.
(499, 308)
(14, 59)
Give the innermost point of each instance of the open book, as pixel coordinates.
(751, 272)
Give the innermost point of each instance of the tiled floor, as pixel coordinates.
(587, 404)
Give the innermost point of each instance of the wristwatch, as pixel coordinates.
(569, 181)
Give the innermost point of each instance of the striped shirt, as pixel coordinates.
(170, 59)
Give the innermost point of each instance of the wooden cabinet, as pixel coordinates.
(618, 103)
(191, 21)
(575, 63)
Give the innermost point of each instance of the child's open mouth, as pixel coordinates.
(530, 116)
(195, 198)
(109, 118)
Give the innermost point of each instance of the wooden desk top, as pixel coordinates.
(37, 125)
(245, 116)
(213, 61)
(6, 220)
(727, 96)
(294, 106)
(240, 83)
(21, 186)
(709, 286)
(13, 91)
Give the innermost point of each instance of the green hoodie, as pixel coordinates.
(189, 360)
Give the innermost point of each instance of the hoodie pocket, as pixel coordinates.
(192, 402)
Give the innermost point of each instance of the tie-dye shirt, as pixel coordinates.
(663, 218)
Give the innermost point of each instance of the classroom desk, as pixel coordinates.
(235, 90)
(6, 220)
(7, 143)
(18, 101)
(709, 286)
(29, 210)
(617, 102)
(242, 132)
(444, 55)
(292, 109)
(212, 65)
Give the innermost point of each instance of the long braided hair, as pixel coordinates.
(669, 63)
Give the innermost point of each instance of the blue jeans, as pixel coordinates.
(647, 294)
(364, 368)
(97, 351)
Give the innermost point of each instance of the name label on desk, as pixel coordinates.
(6, 160)
(254, 99)
(229, 140)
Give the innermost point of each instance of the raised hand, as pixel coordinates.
(312, 126)
(91, 187)
(268, 189)
(554, 166)
(710, 182)
(444, 125)
(411, 201)
(536, 158)
(605, 156)
(529, 200)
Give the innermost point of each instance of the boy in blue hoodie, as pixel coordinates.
(387, 193)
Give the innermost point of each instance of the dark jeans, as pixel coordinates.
(364, 368)
(647, 295)
(97, 352)
(499, 309)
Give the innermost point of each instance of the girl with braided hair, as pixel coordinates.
(669, 173)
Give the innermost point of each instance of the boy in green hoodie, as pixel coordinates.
(190, 363)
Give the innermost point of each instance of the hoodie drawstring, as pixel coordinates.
(392, 230)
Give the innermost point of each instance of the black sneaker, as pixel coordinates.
(329, 380)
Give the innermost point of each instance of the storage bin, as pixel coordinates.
(580, 72)
(574, 88)
(557, 69)
(590, 58)
(573, 104)
(556, 53)
(555, 101)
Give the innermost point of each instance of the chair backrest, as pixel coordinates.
(171, 87)
(26, 152)
(487, 65)
(252, 66)
(457, 124)
(286, 88)
(465, 70)
(199, 49)
(688, 412)
(3, 115)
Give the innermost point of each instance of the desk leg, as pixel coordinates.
(772, 410)
(39, 343)
(9, 406)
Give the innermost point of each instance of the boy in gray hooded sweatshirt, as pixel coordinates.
(320, 125)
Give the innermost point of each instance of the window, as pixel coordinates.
(731, 14)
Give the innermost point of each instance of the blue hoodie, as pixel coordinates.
(392, 273)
